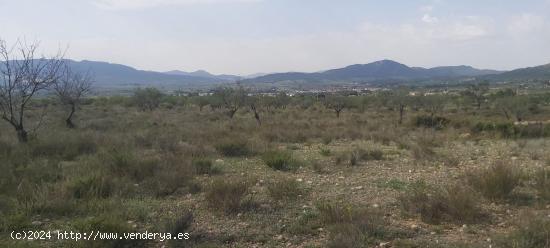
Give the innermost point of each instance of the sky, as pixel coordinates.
(251, 36)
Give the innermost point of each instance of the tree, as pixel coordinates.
(433, 104)
(255, 102)
(70, 89)
(148, 98)
(336, 103)
(200, 101)
(516, 106)
(22, 75)
(400, 98)
(232, 99)
(477, 93)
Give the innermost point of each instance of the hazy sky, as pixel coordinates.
(249, 36)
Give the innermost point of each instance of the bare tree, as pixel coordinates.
(336, 103)
(22, 75)
(70, 89)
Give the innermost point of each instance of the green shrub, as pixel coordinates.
(171, 177)
(14, 222)
(66, 147)
(352, 226)
(496, 182)
(325, 152)
(182, 224)
(454, 203)
(233, 148)
(359, 155)
(306, 223)
(428, 121)
(542, 184)
(280, 160)
(91, 186)
(284, 189)
(204, 166)
(227, 196)
(533, 231)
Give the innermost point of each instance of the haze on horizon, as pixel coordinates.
(250, 36)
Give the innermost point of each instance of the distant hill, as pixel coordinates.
(204, 74)
(107, 74)
(531, 73)
(380, 70)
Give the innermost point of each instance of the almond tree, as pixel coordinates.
(336, 103)
(22, 75)
(70, 89)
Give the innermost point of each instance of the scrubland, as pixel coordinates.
(450, 175)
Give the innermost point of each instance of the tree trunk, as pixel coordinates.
(338, 113)
(506, 114)
(69, 121)
(256, 115)
(401, 112)
(22, 135)
(231, 113)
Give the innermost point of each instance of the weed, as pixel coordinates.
(284, 189)
(204, 166)
(235, 148)
(454, 203)
(533, 231)
(497, 182)
(280, 160)
(227, 196)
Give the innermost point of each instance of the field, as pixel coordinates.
(451, 173)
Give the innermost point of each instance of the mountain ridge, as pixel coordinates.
(378, 70)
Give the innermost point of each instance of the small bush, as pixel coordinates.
(355, 227)
(497, 182)
(360, 155)
(92, 186)
(454, 203)
(66, 147)
(15, 222)
(325, 152)
(306, 223)
(542, 184)
(180, 225)
(204, 166)
(428, 121)
(533, 231)
(284, 189)
(227, 196)
(280, 160)
(233, 148)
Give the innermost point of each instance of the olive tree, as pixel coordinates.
(22, 75)
(477, 92)
(232, 99)
(148, 98)
(70, 89)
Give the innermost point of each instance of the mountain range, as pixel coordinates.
(107, 74)
(376, 71)
(116, 75)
